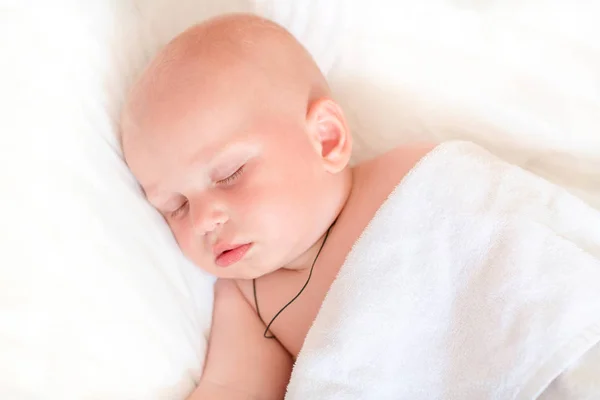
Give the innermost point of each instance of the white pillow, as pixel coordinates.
(521, 78)
(96, 301)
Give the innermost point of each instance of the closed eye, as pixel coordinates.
(232, 177)
(180, 211)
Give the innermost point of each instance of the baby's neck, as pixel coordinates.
(306, 260)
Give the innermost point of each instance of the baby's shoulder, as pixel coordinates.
(372, 183)
(406, 155)
(388, 169)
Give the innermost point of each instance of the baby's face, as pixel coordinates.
(238, 181)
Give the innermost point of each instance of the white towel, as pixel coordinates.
(475, 280)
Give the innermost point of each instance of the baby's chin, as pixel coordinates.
(237, 272)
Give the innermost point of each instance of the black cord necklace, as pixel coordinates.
(268, 335)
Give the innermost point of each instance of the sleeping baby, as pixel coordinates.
(234, 136)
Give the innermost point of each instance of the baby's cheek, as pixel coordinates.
(278, 216)
(193, 250)
(267, 214)
(184, 240)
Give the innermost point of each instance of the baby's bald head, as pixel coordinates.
(241, 55)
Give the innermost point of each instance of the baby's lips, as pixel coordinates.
(231, 256)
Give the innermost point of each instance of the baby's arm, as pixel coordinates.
(241, 363)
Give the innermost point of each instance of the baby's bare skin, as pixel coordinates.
(373, 181)
(235, 139)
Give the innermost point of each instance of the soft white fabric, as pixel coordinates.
(579, 382)
(521, 78)
(474, 280)
(95, 299)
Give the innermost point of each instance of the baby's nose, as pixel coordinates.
(209, 220)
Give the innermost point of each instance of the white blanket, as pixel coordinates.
(475, 280)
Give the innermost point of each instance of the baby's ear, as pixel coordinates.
(329, 134)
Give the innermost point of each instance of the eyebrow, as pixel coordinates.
(151, 188)
(153, 196)
(248, 150)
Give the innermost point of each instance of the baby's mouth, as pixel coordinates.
(229, 255)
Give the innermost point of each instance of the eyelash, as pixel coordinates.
(180, 210)
(225, 181)
(232, 177)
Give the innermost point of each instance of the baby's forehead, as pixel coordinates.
(192, 88)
